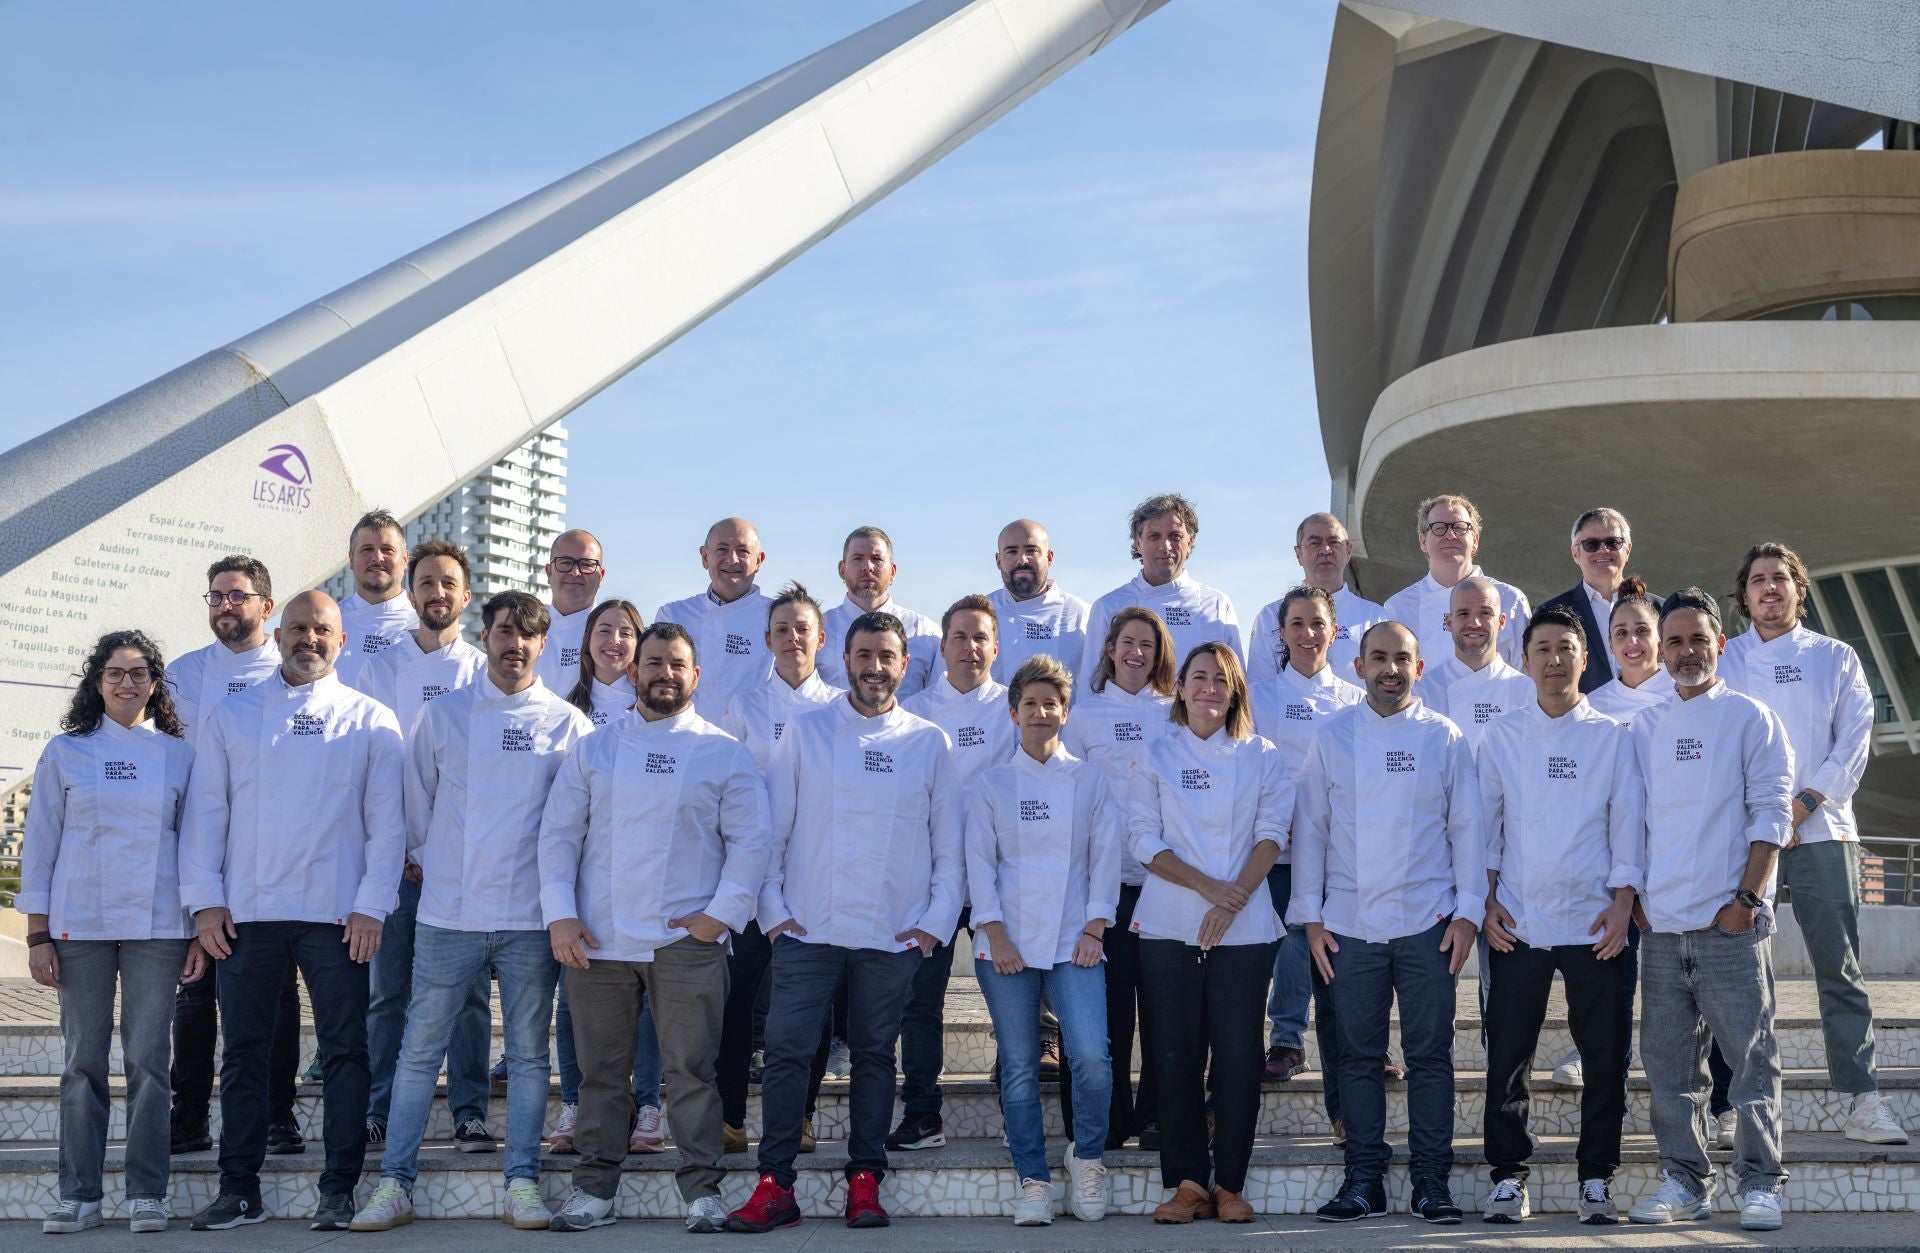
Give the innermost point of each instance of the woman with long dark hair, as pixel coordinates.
(100, 885)
(608, 645)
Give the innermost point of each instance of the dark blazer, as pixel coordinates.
(1599, 661)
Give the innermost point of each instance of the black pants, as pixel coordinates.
(1131, 1108)
(746, 967)
(1199, 1001)
(1516, 1006)
(250, 986)
(923, 1029)
(1718, 1102)
(196, 1029)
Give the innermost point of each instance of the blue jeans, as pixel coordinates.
(646, 1056)
(1292, 970)
(392, 991)
(1079, 998)
(445, 963)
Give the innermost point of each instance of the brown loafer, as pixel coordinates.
(1188, 1202)
(1230, 1207)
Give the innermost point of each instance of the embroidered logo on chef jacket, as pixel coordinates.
(739, 645)
(1195, 779)
(1176, 615)
(569, 657)
(662, 763)
(878, 762)
(600, 719)
(1128, 733)
(120, 771)
(779, 729)
(1035, 811)
(1785, 673)
(1299, 713)
(1688, 748)
(969, 737)
(307, 724)
(1339, 633)
(516, 740)
(1559, 767)
(237, 686)
(371, 644)
(1038, 630)
(1485, 711)
(1400, 761)
(429, 691)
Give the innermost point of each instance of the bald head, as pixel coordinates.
(309, 637)
(1474, 619)
(732, 558)
(1388, 665)
(574, 571)
(1024, 557)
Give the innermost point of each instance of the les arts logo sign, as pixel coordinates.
(287, 485)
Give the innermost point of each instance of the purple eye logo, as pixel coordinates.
(289, 463)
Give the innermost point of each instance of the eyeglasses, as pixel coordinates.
(1443, 529)
(585, 565)
(116, 674)
(1612, 543)
(236, 599)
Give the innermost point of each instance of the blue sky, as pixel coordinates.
(1101, 296)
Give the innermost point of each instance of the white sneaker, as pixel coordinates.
(647, 1136)
(1035, 1206)
(1873, 1121)
(1676, 1201)
(390, 1206)
(148, 1214)
(1086, 1191)
(1568, 1073)
(1724, 1127)
(1596, 1204)
(1507, 1203)
(1760, 1211)
(71, 1216)
(581, 1212)
(706, 1215)
(526, 1208)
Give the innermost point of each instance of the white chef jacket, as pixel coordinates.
(1423, 607)
(559, 663)
(100, 856)
(479, 764)
(1566, 819)
(730, 642)
(759, 715)
(649, 821)
(1194, 613)
(1208, 802)
(611, 701)
(1353, 614)
(1111, 729)
(978, 725)
(206, 676)
(1043, 854)
(294, 812)
(1624, 704)
(924, 663)
(368, 631)
(1718, 770)
(867, 829)
(1387, 830)
(404, 679)
(1473, 699)
(1815, 686)
(1053, 623)
(1288, 707)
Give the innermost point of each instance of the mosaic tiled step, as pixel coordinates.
(975, 1179)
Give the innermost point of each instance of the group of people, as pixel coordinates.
(1147, 825)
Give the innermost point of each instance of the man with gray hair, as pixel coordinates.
(1602, 542)
(1321, 546)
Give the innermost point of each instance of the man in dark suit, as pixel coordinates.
(1602, 541)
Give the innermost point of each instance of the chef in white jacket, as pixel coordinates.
(378, 612)
(1321, 546)
(1043, 861)
(290, 849)
(1389, 879)
(865, 879)
(1475, 685)
(653, 844)
(727, 619)
(100, 888)
(239, 603)
(1719, 771)
(575, 570)
(1815, 685)
(1565, 814)
(1638, 683)
(480, 761)
(1037, 617)
(433, 658)
(1449, 533)
(971, 708)
(1208, 809)
(868, 570)
(1162, 531)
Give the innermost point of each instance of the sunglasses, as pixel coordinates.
(1612, 543)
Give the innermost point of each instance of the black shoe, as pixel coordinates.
(334, 1213)
(285, 1138)
(191, 1135)
(472, 1136)
(497, 1077)
(228, 1212)
(376, 1133)
(993, 1074)
(917, 1131)
(1149, 1137)
(1049, 1059)
(1433, 1202)
(1354, 1201)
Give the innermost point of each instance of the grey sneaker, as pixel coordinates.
(390, 1206)
(706, 1215)
(1676, 1201)
(334, 1213)
(839, 1060)
(1086, 1190)
(526, 1208)
(71, 1216)
(582, 1212)
(1507, 1203)
(1596, 1204)
(1724, 1127)
(1034, 1206)
(147, 1215)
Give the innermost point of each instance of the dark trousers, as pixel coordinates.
(1280, 889)
(196, 1029)
(746, 967)
(1516, 1006)
(250, 984)
(1128, 1110)
(806, 978)
(1201, 1000)
(1366, 979)
(923, 1029)
(1719, 1101)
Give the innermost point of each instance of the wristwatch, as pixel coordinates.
(1750, 899)
(1808, 801)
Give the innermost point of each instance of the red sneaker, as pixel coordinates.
(863, 1202)
(771, 1206)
